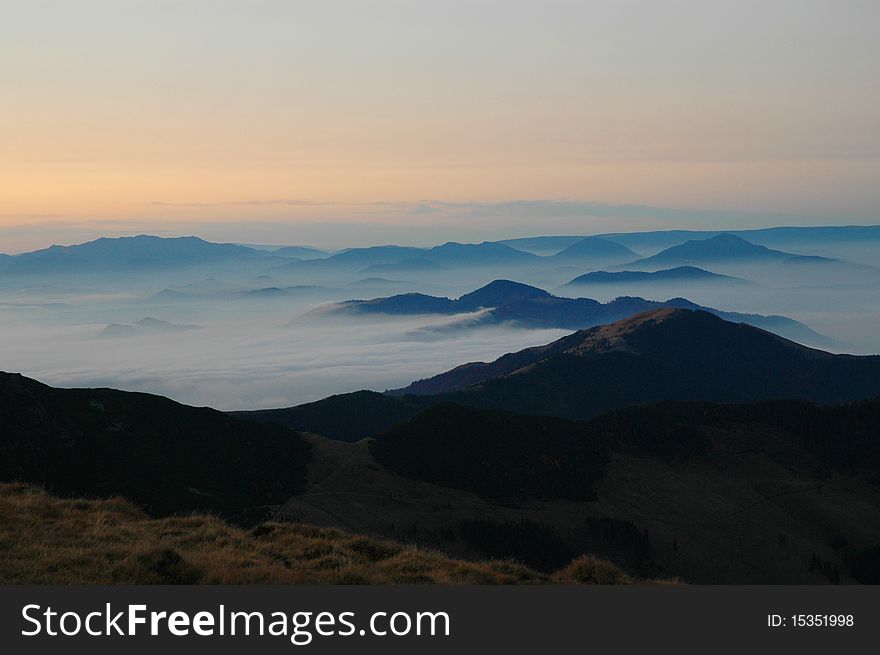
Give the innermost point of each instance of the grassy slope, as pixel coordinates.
(47, 540)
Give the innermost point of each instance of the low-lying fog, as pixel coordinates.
(249, 361)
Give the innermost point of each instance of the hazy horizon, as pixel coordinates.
(596, 219)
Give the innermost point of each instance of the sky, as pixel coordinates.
(343, 122)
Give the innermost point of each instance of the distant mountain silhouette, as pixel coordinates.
(543, 245)
(828, 265)
(772, 237)
(166, 456)
(180, 295)
(376, 282)
(396, 259)
(498, 293)
(144, 326)
(281, 292)
(729, 251)
(678, 274)
(483, 254)
(494, 294)
(405, 266)
(145, 252)
(594, 249)
(404, 303)
(360, 257)
(721, 248)
(119, 330)
(127, 254)
(301, 252)
(528, 306)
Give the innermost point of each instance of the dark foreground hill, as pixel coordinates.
(498, 454)
(347, 417)
(505, 455)
(165, 456)
(773, 492)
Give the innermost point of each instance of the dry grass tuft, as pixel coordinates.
(49, 540)
(588, 569)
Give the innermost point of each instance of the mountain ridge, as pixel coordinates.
(677, 274)
(524, 305)
(668, 354)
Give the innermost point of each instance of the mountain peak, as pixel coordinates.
(478, 254)
(725, 243)
(722, 247)
(596, 248)
(616, 336)
(500, 292)
(727, 237)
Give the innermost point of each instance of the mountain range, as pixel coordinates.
(396, 259)
(733, 254)
(654, 241)
(381, 260)
(144, 253)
